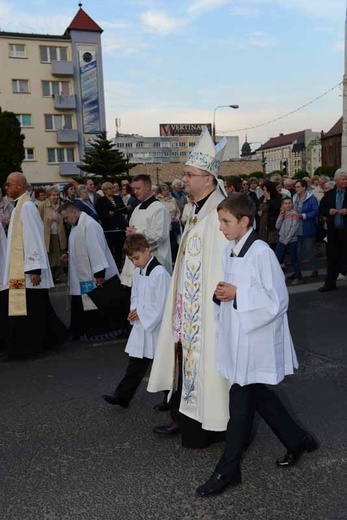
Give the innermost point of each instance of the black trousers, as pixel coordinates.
(244, 401)
(336, 255)
(192, 434)
(135, 372)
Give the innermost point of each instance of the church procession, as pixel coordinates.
(209, 331)
(171, 335)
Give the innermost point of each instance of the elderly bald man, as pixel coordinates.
(32, 324)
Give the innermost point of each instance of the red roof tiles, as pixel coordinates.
(335, 130)
(83, 22)
(281, 140)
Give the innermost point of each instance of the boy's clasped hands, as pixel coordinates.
(225, 291)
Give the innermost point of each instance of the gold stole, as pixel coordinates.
(17, 305)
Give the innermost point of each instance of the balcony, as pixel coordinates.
(62, 102)
(62, 68)
(67, 136)
(68, 169)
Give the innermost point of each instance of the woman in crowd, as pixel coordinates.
(166, 198)
(54, 230)
(40, 195)
(83, 202)
(307, 207)
(111, 211)
(130, 201)
(269, 206)
(69, 193)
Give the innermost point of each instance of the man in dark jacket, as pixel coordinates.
(333, 207)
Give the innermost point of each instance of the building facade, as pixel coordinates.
(54, 84)
(289, 152)
(331, 145)
(168, 149)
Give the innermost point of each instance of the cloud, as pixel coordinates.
(205, 5)
(161, 23)
(250, 12)
(260, 39)
(339, 46)
(322, 29)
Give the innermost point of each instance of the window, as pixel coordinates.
(56, 88)
(59, 155)
(174, 154)
(29, 154)
(182, 144)
(183, 154)
(18, 50)
(128, 145)
(139, 144)
(58, 122)
(156, 145)
(24, 119)
(49, 54)
(20, 86)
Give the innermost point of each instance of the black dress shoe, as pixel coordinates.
(162, 407)
(292, 457)
(217, 484)
(112, 399)
(326, 288)
(167, 430)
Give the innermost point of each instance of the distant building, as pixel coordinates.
(331, 145)
(139, 149)
(54, 84)
(288, 152)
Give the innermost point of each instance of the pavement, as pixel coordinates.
(67, 455)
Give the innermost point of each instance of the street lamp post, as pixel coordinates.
(214, 118)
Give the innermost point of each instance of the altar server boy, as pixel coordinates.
(254, 347)
(148, 296)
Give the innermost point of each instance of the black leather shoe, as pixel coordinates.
(292, 457)
(112, 399)
(326, 288)
(167, 430)
(217, 484)
(162, 407)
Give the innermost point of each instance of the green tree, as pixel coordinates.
(11, 145)
(325, 170)
(102, 160)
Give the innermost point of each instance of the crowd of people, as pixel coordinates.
(194, 276)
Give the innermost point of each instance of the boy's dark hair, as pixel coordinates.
(233, 181)
(134, 243)
(240, 205)
(146, 179)
(286, 198)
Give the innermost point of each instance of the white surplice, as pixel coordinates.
(148, 296)
(34, 247)
(154, 223)
(253, 341)
(98, 252)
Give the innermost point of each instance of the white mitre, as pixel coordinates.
(206, 155)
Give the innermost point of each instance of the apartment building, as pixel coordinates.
(168, 149)
(54, 84)
(289, 152)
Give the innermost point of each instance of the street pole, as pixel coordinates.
(214, 119)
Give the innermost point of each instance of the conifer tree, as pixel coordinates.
(102, 159)
(11, 145)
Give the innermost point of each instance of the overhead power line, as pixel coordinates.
(284, 115)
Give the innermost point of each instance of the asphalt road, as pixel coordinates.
(67, 455)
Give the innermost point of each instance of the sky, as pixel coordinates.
(176, 61)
